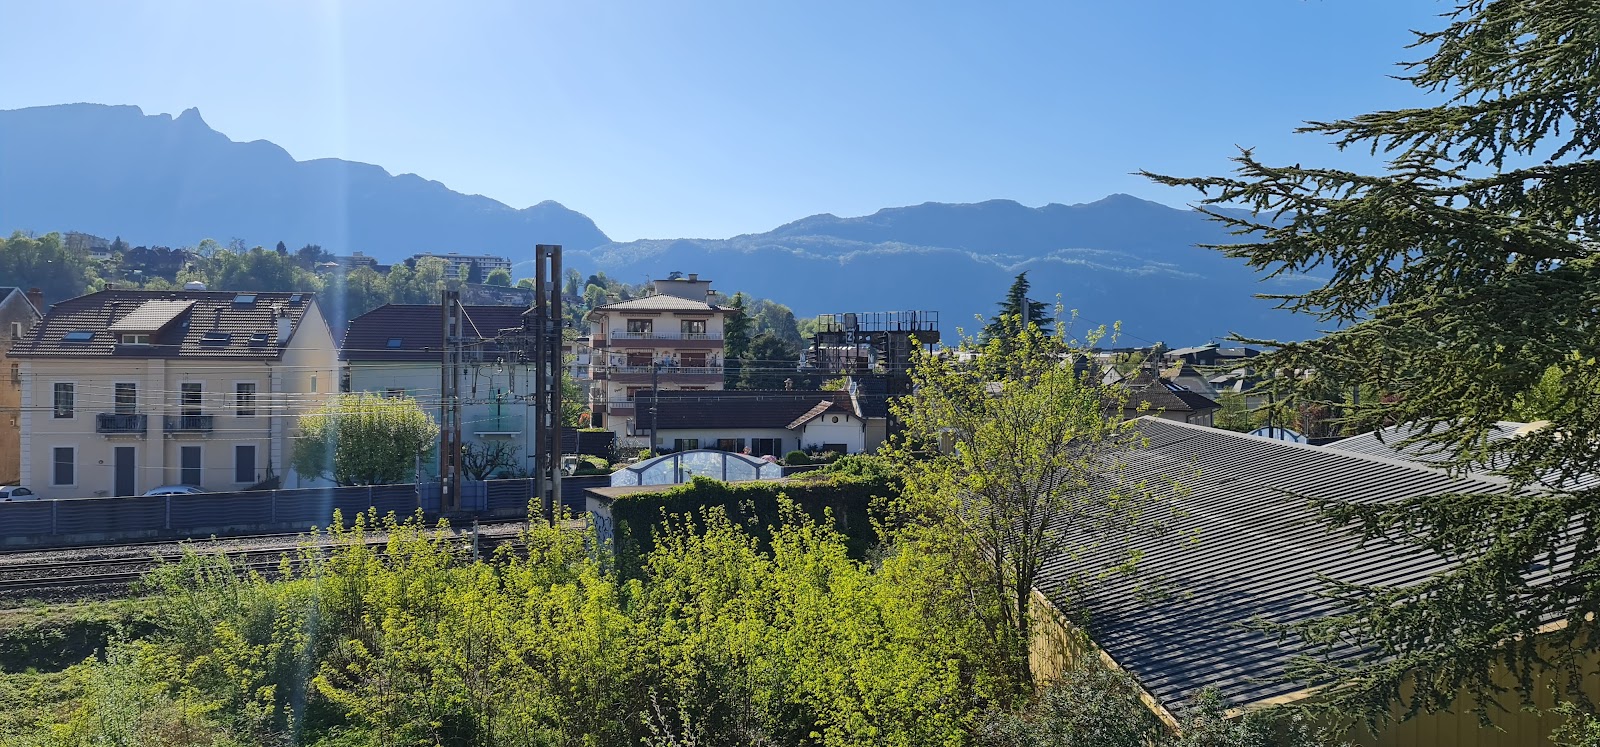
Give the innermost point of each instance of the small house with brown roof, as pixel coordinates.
(758, 422)
(126, 390)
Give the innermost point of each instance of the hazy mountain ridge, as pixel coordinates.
(173, 180)
(157, 179)
(1116, 259)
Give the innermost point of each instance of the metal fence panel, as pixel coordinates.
(31, 517)
(222, 509)
(107, 515)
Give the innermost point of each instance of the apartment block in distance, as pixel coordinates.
(671, 340)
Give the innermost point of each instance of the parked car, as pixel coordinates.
(17, 493)
(175, 490)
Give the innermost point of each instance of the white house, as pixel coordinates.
(126, 390)
(759, 422)
(394, 350)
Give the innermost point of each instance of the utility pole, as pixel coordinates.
(542, 326)
(450, 402)
(655, 386)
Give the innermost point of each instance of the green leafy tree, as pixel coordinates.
(1019, 307)
(768, 362)
(498, 276)
(260, 270)
(44, 263)
(1027, 471)
(364, 439)
(1462, 271)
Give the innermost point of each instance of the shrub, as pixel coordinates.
(796, 458)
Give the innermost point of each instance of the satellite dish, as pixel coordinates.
(1279, 433)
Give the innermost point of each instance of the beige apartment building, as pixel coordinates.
(671, 340)
(126, 390)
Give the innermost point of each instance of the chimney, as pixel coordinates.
(36, 297)
(285, 327)
(693, 276)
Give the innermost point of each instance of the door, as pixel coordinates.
(123, 467)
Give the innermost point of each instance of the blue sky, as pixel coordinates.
(709, 119)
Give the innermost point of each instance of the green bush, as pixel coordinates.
(844, 499)
(796, 458)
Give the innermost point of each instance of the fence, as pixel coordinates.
(79, 521)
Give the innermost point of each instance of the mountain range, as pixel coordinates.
(157, 179)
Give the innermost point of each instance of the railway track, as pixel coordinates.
(77, 576)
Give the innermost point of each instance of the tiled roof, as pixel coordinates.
(207, 324)
(1246, 545)
(734, 409)
(660, 302)
(1161, 395)
(152, 316)
(415, 332)
(812, 414)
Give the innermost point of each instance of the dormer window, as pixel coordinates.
(136, 338)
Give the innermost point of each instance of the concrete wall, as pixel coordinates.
(835, 428)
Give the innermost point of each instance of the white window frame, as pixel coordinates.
(16, 330)
(200, 402)
(116, 403)
(55, 405)
(255, 399)
(74, 449)
(135, 338)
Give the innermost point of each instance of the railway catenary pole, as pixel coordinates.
(541, 341)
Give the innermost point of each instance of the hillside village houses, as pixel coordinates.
(126, 390)
(19, 312)
(670, 341)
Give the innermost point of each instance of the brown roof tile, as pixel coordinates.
(417, 331)
(206, 324)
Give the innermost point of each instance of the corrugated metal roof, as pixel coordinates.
(1246, 546)
(1388, 442)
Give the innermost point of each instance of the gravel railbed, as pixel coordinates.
(111, 570)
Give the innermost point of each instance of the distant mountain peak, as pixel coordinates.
(159, 179)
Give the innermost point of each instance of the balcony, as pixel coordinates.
(659, 339)
(503, 425)
(192, 425)
(647, 374)
(120, 424)
(614, 407)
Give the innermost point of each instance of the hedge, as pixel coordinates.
(755, 504)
